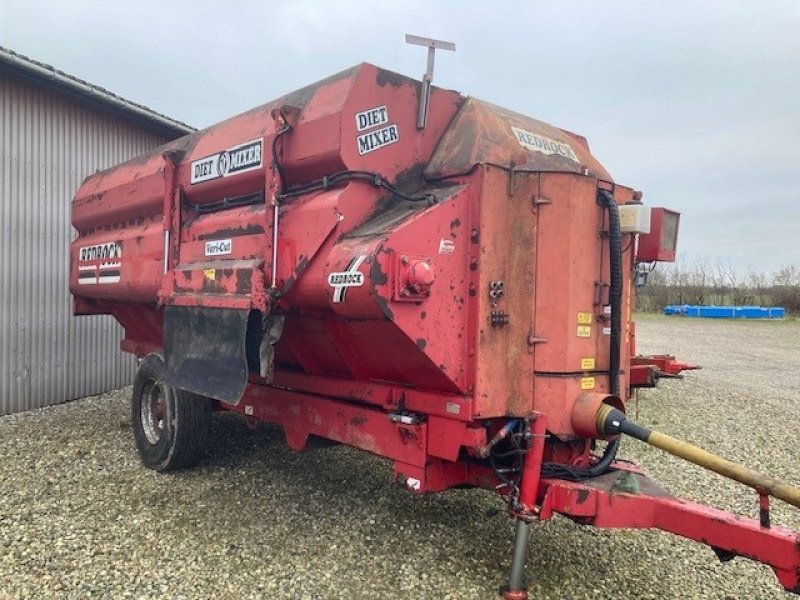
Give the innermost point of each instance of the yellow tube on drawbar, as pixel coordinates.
(612, 421)
(724, 467)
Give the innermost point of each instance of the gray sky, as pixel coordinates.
(695, 103)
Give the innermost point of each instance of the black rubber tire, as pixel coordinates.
(180, 441)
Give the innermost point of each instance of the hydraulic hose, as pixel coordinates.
(615, 302)
(334, 179)
(615, 288)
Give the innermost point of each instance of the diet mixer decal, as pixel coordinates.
(373, 117)
(106, 262)
(350, 277)
(235, 160)
(376, 138)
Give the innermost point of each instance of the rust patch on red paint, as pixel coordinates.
(482, 134)
(454, 225)
(383, 78)
(243, 278)
(251, 229)
(378, 277)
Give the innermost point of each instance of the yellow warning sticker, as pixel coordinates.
(584, 331)
(210, 274)
(585, 318)
(587, 383)
(587, 364)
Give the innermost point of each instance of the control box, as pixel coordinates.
(662, 241)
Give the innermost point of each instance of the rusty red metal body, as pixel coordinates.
(321, 263)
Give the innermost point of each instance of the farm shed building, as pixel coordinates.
(54, 131)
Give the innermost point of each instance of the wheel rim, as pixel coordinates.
(153, 412)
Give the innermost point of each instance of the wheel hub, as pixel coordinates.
(153, 413)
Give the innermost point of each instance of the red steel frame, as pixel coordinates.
(646, 370)
(730, 535)
(423, 455)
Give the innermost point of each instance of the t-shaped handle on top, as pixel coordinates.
(425, 92)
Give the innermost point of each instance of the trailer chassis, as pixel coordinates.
(431, 453)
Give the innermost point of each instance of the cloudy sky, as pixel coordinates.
(695, 103)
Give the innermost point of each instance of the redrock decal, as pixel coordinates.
(350, 277)
(544, 144)
(100, 251)
(101, 263)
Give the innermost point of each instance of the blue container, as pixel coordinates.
(751, 312)
(717, 312)
(726, 312)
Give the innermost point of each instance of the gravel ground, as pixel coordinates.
(80, 517)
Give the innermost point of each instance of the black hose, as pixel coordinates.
(329, 181)
(615, 301)
(340, 177)
(226, 203)
(325, 183)
(615, 289)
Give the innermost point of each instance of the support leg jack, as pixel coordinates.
(516, 589)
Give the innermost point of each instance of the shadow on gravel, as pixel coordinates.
(355, 475)
(451, 527)
(328, 467)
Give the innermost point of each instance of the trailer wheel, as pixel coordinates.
(170, 426)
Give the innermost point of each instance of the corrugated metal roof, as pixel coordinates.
(82, 90)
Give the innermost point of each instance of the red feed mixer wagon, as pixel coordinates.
(444, 283)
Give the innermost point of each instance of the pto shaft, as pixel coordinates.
(611, 421)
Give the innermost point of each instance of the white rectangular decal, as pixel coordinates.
(234, 160)
(373, 140)
(447, 246)
(373, 117)
(219, 247)
(543, 144)
(105, 263)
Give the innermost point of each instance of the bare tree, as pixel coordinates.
(719, 285)
(785, 290)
